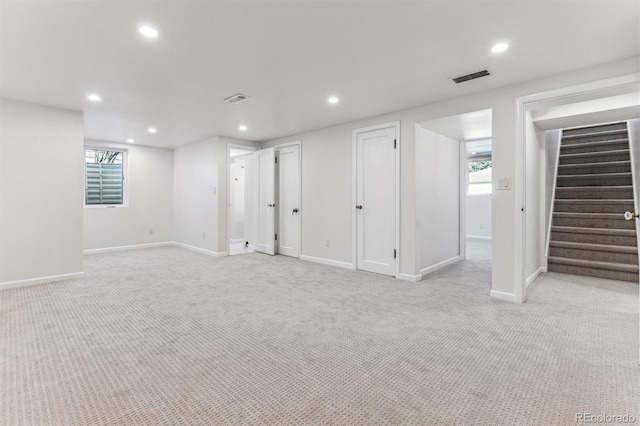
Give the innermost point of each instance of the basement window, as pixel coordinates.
(105, 177)
(479, 167)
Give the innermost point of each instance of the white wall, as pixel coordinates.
(41, 191)
(326, 173)
(535, 204)
(438, 198)
(149, 180)
(478, 216)
(196, 190)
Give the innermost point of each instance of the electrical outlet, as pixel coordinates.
(204, 235)
(327, 242)
(151, 231)
(481, 226)
(214, 190)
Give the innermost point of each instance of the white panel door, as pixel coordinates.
(376, 201)
(265, 221)
(289, 201)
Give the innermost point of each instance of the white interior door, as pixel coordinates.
(289, 201)
(376, 200)
(265, 221)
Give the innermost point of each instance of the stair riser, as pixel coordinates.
(579, 222)
(612, 194)
(598, 256)
(569, 149)
(616, 240)
(592, 272)
(594, 129)
(593, 208)
(595, 181)
(586, 170)
(604, 158)
(594, 138)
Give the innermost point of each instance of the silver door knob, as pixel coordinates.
(629, 215)
(295, 210)
(359, 207)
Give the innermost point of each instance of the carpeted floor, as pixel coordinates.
(168, 336)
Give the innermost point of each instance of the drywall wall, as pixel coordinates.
(41, 191)
(327, 163)
(478, 216)
(196, 189)
(535, 235)
(634, 146)
(148, 217)
(438, 198)
(552, 139)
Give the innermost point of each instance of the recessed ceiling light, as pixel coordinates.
(243, 128)
(152, 130)
(130, 140)
(500, 47)
(93, 97)
(148, 31)
(333, 100)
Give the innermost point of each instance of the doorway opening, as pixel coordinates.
(454, 196)
(241, 209)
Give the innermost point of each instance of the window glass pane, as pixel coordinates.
(104, 177)
(479, 177)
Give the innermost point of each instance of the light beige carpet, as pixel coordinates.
(168, 336)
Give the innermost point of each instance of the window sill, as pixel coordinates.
(105, 206)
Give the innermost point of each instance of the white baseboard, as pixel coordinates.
(33, 281)
(535, 275)
(409, 277)
(201, 250)
(251, 246)
(329, 262)
(431, 269)
(237, 240)
(478, 237)
(501, 295)
(133, 247)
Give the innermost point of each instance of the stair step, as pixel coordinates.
(595, 247)
(597, 265)
(599, 146)
(593, 220)
(597, 252)
(595, 168)
(595, 192)
(602, 179)
(593, 136)
(566, 268)
(610, 236)
(595, 157)
(593, 206)
(595, 129)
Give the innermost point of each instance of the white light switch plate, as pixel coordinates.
(503, 184)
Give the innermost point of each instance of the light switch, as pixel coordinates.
(504, 184)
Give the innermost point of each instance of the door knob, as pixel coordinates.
(629, 215)
(359, 207)
(295, 210)
(271, 205)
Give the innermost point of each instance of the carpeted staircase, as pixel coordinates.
(589, 235)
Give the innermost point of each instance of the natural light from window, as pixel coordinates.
(479, 167)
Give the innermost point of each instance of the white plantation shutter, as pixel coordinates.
(104, 183)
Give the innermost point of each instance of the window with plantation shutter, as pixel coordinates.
(104, 177)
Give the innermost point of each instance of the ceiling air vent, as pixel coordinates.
(471, 76)
(237, 98)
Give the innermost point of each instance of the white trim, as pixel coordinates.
(329, 262)
(409, 277)
(354, 184)
(519, 196)
(478, 237)
(462, 202)
(41, 280)
(132, 247)
(501, 295)
(297, 143)
(201, 250)
(433, 268)
(535, 275)
(237, 240)
(553, 197)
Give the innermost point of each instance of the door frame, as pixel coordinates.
(228, 198)
(354, 186)
(519, 196)
(277, 148)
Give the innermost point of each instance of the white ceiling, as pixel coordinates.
(288, 56)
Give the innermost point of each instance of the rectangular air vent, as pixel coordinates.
(471, 76)
(237, 98)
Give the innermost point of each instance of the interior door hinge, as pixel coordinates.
(276, 160)
(395, 143)
(395, 253)
(276, 237)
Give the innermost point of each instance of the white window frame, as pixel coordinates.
(482, 194)
(125, 177)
